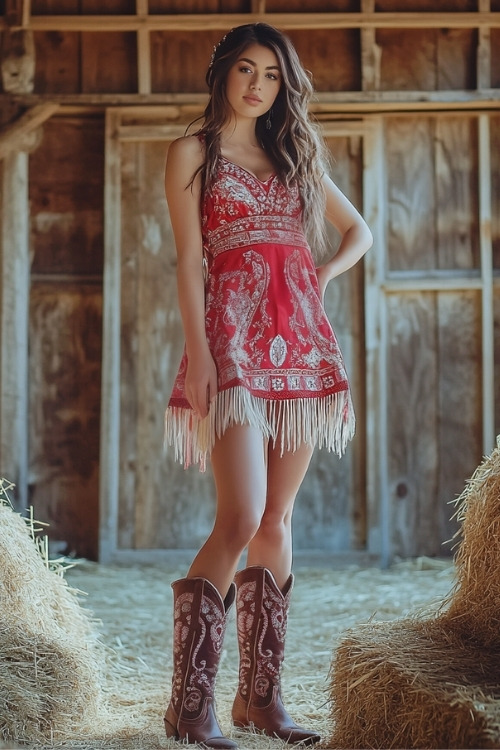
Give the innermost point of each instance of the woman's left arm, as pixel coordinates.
(356, 237)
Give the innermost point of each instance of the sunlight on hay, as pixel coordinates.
(475, 604)
(50, 656)
(432, 682)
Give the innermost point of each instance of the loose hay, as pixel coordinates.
(435, 682)
(50, 657)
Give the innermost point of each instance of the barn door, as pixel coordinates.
(430, 328)
(148, 503)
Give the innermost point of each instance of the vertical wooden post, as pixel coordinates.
(378, 498)
(14, 276)
(483, 60)
(488, 333)
(143, 51)
(370, 53)
(109, 474)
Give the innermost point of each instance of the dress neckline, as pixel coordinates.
(261, 182)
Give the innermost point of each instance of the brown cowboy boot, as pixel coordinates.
(199, 623)
(262, 610)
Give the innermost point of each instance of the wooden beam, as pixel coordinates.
(483, 60)
(326, 104)
(286, 21)
(370, 53)
(14, 136)
(378, 494)
(143, 50)
(14, 306)
(487, 307)
(110, 392)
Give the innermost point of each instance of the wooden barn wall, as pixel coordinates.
(66, 196)
(431, 288)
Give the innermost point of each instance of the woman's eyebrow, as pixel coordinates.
(252, 62)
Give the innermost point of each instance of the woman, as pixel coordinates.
(262, 379)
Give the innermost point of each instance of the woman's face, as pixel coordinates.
(253, 82)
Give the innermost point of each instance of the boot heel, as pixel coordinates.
(170, 730)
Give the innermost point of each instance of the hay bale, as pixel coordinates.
(414, 684)
(50, 657)
(435, 682)
(474, 605)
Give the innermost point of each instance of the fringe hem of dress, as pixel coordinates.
(327, 422)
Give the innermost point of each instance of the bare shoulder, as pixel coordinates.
(186, 153)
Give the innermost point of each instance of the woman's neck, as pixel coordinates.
(240, 134)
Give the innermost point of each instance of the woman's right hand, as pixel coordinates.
(201, 382)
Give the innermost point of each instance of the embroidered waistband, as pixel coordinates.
(256, 230)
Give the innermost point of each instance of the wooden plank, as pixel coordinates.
(332, 57)
(370, 53)
(331, 104)
(179, 60)
(379, 519)
(14, 297)
(456, 55)
(110, 390)
(483, 59)
(109, 62)
(58, 63)
(458, 342)
(413, 423)
(286, 21)
(408, 59)
(66, 198)
(430, 283)
(495, 188)
(13, 137)
(13, 13)
(488, 334)
(411, 237)
(455, 157)
(64, 403)
(143, 51)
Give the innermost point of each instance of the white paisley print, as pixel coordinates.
(279, 366)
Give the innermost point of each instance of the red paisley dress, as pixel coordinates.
(278, 362)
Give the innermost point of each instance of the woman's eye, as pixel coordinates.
(272, 76)
(244, 69)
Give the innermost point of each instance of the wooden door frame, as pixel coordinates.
(118, 131)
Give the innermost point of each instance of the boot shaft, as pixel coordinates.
(262, 614)
(200, 617)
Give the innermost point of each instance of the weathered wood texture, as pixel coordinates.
(14, 276)
(64, 406)
(431, 288)
(66, 195)
(434, 356)
(495, 233)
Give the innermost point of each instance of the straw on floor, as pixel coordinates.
(432, 681)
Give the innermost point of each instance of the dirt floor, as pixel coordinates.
(133, 606)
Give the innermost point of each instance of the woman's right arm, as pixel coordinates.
(183, 159)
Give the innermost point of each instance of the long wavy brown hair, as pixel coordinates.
(293, 142)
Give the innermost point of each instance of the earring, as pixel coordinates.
(268, 120)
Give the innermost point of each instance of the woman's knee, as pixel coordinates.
(238, 529)
(275, 526)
